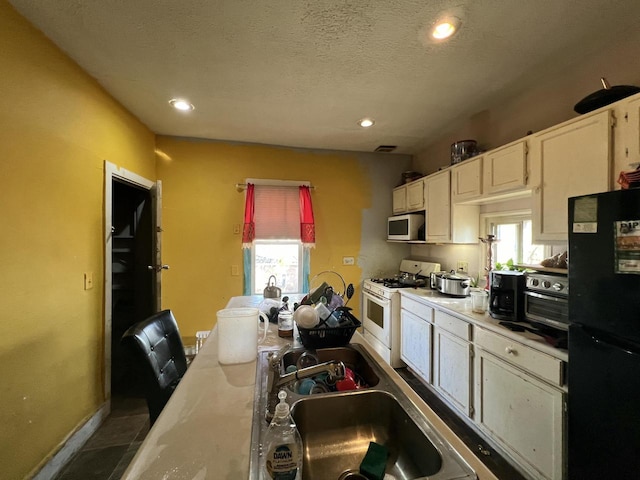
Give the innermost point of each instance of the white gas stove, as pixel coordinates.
(381, 307)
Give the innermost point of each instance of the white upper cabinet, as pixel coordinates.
(466, 180)
(505, 169)
(400, 199)
(408, 197)
(447, 222)
(570, 159)
(628, 138)
(415, 196)
(437, 193)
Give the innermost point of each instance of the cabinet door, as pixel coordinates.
(437, 193)
(452, 370)
(571, 159)
(522, 414)
(631, 136)
(415, 196)
(466, 180)
(415, 344)
(505, 169)
(400, 199)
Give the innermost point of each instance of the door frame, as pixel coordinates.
(113, 172)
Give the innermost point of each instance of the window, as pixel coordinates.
(514, 233)
(274, 245)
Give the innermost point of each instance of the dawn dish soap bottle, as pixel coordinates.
(282, 458)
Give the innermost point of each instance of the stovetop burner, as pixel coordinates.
(391, 283)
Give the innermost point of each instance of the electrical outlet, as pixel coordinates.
(463, 266)
(348, 261)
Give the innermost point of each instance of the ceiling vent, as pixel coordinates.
(385, 148)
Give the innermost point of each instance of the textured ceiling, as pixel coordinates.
(302, 72)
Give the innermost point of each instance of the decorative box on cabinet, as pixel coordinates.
(570, 159)
(520, 411)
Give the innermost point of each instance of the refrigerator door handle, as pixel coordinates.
(608, 342)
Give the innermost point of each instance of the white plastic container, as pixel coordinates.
(238, 334)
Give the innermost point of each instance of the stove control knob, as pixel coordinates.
(558, 286)
(546, 284)
(534, 282)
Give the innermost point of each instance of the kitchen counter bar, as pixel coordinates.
(461, 308)
(204, 432)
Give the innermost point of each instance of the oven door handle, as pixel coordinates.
(546, 297)
(377, 298)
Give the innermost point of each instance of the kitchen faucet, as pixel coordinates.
(335, 370)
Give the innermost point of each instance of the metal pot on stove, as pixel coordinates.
(455, 284)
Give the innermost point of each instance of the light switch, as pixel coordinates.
(88, 280)
(235, 271)
(236, 229)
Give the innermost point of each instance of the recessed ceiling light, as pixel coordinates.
(366, 122)
(445, 27)
(180, 104)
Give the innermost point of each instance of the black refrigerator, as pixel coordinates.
(604, 336)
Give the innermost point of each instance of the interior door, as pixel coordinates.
(132, 243)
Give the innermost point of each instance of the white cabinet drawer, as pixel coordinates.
(419, 309)
(538, 363)
(453, 325)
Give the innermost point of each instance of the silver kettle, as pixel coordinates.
(271, 291)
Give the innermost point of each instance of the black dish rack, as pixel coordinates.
(329, 337)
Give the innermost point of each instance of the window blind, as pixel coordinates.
(277, 212)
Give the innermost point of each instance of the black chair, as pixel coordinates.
(155, 348)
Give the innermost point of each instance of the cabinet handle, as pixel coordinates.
(510, 351)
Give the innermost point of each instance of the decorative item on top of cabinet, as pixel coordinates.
(523, 413)
(447, 223)
(466, 180)
(505, 168)
(570, 159)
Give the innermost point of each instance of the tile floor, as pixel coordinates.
(108, 452)
(487, 455)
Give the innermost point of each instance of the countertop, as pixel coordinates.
(461, 308)
(204, 431)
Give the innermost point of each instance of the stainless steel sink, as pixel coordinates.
(351, 357)
(336, 427)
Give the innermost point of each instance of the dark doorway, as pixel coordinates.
(133, 290)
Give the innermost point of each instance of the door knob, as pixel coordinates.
(157, 268)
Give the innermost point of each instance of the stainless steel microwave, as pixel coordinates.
(405, 227)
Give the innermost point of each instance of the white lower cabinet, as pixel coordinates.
(415, 345)
(452, 359)
(522, 414)
(511, 392)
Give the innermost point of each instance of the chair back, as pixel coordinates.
(156, 349)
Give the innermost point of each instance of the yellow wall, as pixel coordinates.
(57, 126)
(201, 206)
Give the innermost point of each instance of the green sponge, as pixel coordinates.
(374, 462)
